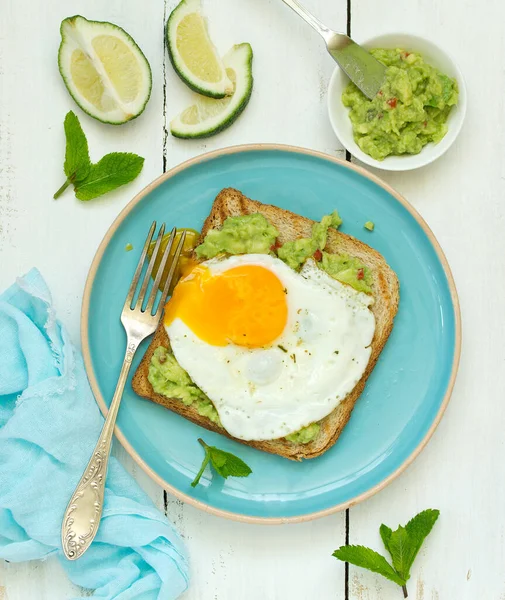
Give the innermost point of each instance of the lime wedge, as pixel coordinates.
(104, 70)
(192, 53)
(208, 116)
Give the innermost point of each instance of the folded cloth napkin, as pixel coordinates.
(49, 424)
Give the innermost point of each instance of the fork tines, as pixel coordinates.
(151, 307)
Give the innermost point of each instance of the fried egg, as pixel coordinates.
(275, 350)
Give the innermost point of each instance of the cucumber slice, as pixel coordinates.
(104, 70)
(192, 53)
(208, 116)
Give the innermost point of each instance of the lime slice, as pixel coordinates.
(104, 70)
(208, 116)
(192, 53)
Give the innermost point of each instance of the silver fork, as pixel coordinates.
(83, 513)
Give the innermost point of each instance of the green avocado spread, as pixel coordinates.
(341, 267)
(305, 435)
(246, 234)
(347, 269)
(253, 234)
(410, 110)
(169, 379)
(295, 253)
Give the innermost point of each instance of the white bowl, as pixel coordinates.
(433, 55)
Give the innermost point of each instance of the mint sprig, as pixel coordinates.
(224, 463)
(403, 545)
(91, 180)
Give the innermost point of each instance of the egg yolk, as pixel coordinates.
(245, 305)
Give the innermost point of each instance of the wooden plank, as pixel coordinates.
(37, 580)
(238, 560)
(461, 197)
(61, 237)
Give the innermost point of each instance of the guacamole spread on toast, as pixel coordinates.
(169, 379)
(253, 234)
(296, 252)
(305, 435)
(410, 110)
(245, 234)
(347, 269)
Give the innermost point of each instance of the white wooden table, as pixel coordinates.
(461, 472)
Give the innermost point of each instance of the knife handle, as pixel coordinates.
(307, 16)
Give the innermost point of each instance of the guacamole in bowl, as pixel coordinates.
(422, 84)
(410, 110)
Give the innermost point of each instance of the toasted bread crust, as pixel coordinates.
(385, 289)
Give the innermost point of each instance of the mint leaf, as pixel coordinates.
(421, 525)
(400, 549)
(405, 543)
(385, 532)
(93, 180)
(228, 465)
(360, 556)
(418, 529)
(109, 173)
(224, 463)
(77, 163)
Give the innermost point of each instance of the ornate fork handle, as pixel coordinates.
(82, 516)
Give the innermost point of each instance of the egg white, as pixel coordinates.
(268, 393)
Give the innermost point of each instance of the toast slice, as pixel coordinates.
(385, 289)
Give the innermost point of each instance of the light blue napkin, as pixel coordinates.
(49, 424)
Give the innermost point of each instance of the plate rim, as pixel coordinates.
(122, 438)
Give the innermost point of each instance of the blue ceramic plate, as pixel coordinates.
(405, 396)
